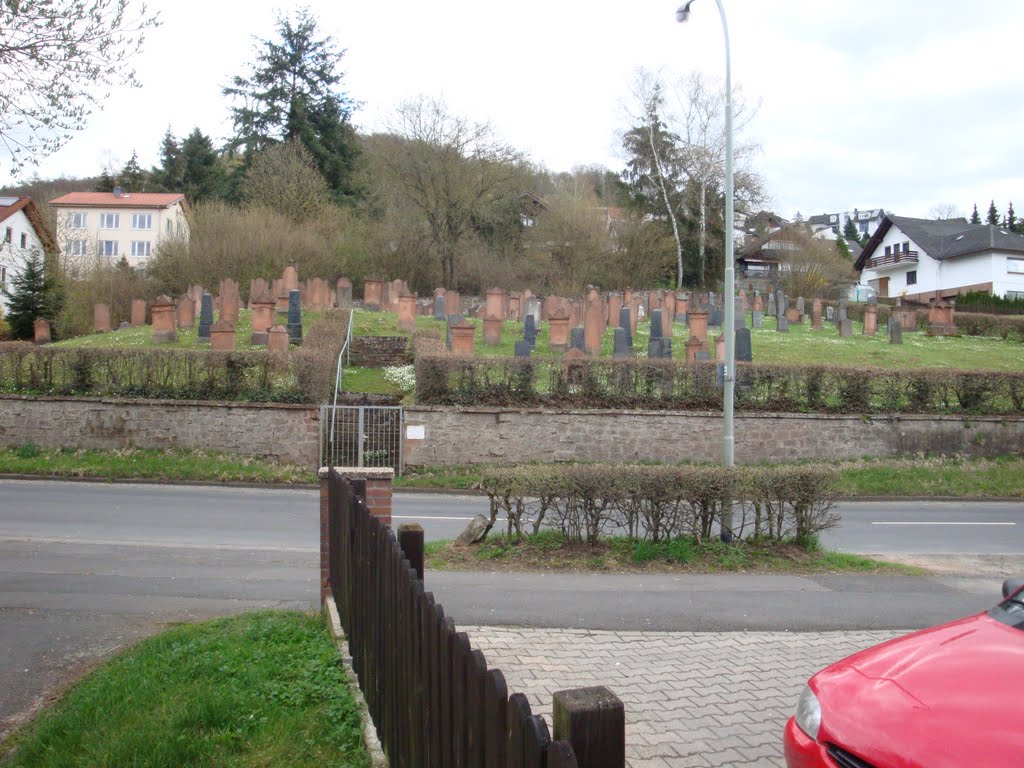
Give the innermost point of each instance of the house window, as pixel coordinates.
(77, 247)
(140, 247)
(110, 220)
(108, 247)
(76, 221)
(864, 227)
(906, 247)
(912, 277)
(1015, 295)
(888, 250)
(169, 225)
(8, 235)
(24, 241)
(142, 221)
(1016, 266)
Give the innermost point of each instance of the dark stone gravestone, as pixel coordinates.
(294, 317)
(439, 307)
(523, 348)
(846, 327)
(800, 305)
(781, 304)
(783, 324)
(757, 320)
(530, 330)
(744, 350)
(702, 356)
(452, 320)
(576, 339)
(621, 348)
(740, 313)
(715, 318)
(666, 347)
(772, 308)
(626, 324)
(895, 331)
(205, 318)
(655, 324)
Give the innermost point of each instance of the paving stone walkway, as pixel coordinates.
(692, 698)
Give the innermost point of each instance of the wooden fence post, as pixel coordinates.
(410, 539)
(593, 721)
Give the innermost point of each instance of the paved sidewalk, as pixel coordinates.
(692, 698)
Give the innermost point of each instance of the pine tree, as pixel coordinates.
(292, 92)
(843, 248)
(106, 182)
(975, 218)
(993, 214)
(850, 231)
(132, 178)
(1011, 218)
(31, 296)
(202, 175)
(168, 175)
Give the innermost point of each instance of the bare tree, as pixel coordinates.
(811, 267)
(59, 59)
(945, 211)
(451, 170)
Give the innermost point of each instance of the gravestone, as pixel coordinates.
(530, 330)
(454, 319)
(702, 355)
(816, 315)
(532, 308)
(895, 331)
(101, 318)
(558, 333)
(222, 336)
(41, 330)
(758, 320)
(830, 314)
(523, 348)
(277, 340)
(262, 318)
(744, 349)
(841, 312)
(772, 308)
(439, 308)
(715, 318)
(660, 347)
(205, 318)
(800, 305)
(656, 326)
(186, 312)
(626, 324)
(294, 317)
(783, 324)
(576, 338)
(781, 304)
(621, 348)
(740, 313)
(138, 312)
(845, 327)
(164, 322)
(343, 289)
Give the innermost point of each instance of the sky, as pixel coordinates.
(903, 105)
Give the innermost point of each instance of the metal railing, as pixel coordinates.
(362, 436)
(345, 355)
(892, 259)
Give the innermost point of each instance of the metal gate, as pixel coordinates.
(361, 436)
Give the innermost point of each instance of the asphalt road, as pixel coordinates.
(86, 568)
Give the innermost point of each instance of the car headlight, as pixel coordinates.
(808, 713)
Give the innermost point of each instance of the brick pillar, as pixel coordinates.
(378, 502)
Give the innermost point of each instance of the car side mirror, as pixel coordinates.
(1012, 586)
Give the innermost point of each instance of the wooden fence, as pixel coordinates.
(432, 697)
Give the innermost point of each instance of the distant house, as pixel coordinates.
(925, 260)
(24, 233)
(116, 224)
(865, 221)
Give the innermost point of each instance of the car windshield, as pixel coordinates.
(1010, 611)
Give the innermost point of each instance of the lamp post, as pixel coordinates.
(729, 367)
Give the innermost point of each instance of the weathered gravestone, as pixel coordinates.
(773, 310)
(576, 338)
(740, 313)
(845, 327)
(101, 318)
(523, 348)
(530, 330)
(453, 319)
(439, 308)
(830, 314)
(294, 317)
(343, 291)
(165, 328)
(715, 318)
(558, 333)
(205, 318)
(800, 305)
(895, 331)
(626, 324)
(757, 320)
(621, 349)
(744, 349)
(783, 324)
(656, 326)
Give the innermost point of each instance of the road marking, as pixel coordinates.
(934, 523)
(430, 517)
(155, 544)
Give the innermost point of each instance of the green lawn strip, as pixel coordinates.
(255, 690)
(134, 463)
(995, 478)
(547, 550)
(142, 335)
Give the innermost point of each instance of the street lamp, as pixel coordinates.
(729, 367)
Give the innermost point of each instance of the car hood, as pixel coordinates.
(946, 697)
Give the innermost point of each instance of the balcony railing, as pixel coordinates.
(892, 259)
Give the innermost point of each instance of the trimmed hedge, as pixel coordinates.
(656, 503)
(643, 384)
(983, 301)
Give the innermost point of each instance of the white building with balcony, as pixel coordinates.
(24, 232)
(927, 260)
(116, 224)
(866, 221)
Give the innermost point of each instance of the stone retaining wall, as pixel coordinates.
(287, 434)
(379, 351)
(470, 436)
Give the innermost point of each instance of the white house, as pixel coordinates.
(116, 224)
(865, 221)
(926, 260)
(24, 233)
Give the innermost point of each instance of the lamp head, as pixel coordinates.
(683, 11)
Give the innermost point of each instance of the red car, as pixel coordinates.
(945, 697)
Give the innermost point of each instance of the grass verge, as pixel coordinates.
(548, 551)
(253, 690)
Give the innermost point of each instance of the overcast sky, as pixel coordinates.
(900, 104)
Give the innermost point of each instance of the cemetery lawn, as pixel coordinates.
(258, 689)
(801, 346)
(547, 551)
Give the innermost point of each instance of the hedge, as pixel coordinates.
(643, 384)
(585, 501)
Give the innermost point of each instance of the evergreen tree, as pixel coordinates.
(993, 214)
(168, 175)
(132, 178)
(31, 296)
(202, 175)
(843, 248)
(292, 92)
(1011, 218)
(850, 231)
(975, 218)
(106, 182)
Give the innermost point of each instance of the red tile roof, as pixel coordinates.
(126, 200)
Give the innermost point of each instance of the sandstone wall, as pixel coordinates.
(379, 351)
(276, 432)
(469, 436)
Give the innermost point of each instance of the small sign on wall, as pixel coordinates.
(415, 432)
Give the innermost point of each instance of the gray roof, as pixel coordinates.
(946, 238)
